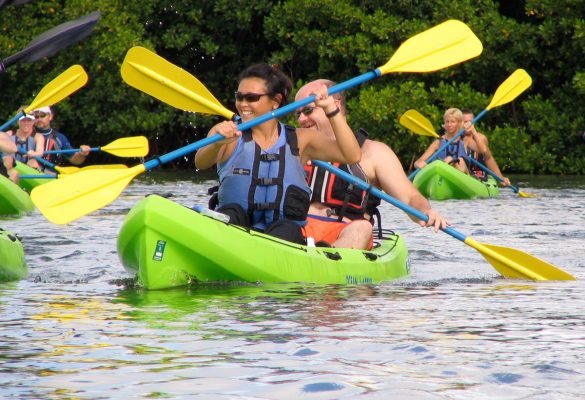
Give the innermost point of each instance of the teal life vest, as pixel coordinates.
(456, 150)
(23, 147)
(268, 184)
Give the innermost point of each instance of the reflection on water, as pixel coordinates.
(453, 330)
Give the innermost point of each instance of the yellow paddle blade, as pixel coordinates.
(152, 74)
(62, 86)
(67, 170)
(513, 263)
(64, 171)
(417, 123)
(444, 45)
(525, 195)
(134, 146)
(516, 83)
(64, 200)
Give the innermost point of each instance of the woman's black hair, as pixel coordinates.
(276, 81)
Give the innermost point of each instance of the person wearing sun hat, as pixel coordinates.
(55, 140)
(29, 145)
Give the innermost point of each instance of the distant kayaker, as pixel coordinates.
(262, 181)
(472, 136)
(340, 214)
(55, 140)
(28, 143)
(456, 152)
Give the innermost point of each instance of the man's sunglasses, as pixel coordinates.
(250, 97)
(305, 111)
(40, 114)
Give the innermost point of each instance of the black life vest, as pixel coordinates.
(343, 198)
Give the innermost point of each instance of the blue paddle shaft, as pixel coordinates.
(38, 176)
(279, 112)
(69, 151)
(384, 196)
(444, 146)
(8, 124)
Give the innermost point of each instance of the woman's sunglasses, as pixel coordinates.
(250, 97)
(40, 114)
(305, 111)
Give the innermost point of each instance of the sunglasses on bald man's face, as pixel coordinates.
(307, 110)
(250, 97)
(40, 114)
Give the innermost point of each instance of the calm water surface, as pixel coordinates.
(454, 329)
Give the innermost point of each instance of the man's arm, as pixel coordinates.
(390, 177)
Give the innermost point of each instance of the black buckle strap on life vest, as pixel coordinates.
(266, 206)
(269, 157)
(268, 181)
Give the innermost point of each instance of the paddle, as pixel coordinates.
(498, 178)
(134, 146)
(509, 262)
(54, 40)
(501, 258)
(419, 124)
(62, 86)
(65, 171)
(511, 88)
(65, 200)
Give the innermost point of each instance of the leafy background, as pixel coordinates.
(540, 132)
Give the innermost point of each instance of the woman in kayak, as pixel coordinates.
(262, 182)
(456, 152)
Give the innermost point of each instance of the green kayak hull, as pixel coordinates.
(12, 263)
(440, 181)
(13, 200)
(29, 184)
(164, 244)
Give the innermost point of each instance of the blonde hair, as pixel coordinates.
(454, 112)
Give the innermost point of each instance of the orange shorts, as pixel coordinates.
(327, 230)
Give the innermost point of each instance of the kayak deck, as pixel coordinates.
(13, 200)
(440, 181)
(29, 184)
(164, 244)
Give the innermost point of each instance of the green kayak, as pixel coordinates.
(440, 181)
(12, 263)
(13, 200)
(164, 244)
(29, 184)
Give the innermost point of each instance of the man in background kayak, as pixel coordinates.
(340, 215)
(485, 157)
(55, 140)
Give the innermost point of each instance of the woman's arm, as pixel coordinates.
(421, 162)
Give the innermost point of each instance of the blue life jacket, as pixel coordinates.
(23, 146)
(456, 149)
(269, 185)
